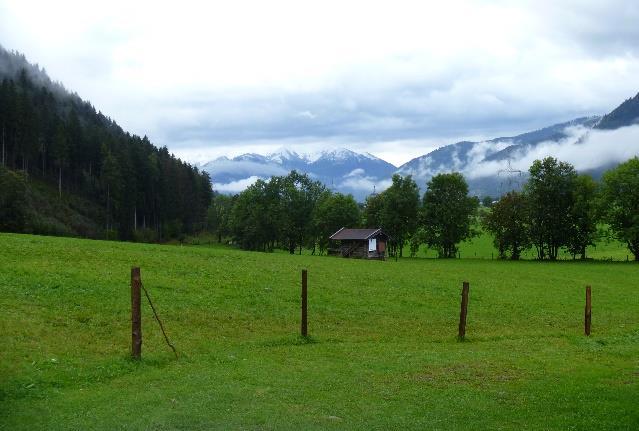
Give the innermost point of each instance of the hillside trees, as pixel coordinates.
(620, 198)
(13, 205)
(44, 126)
(448, 213)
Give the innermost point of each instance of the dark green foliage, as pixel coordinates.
(508, 223)
(373, 211)
(218, 220)
(254, 217)
(487, 201)
(620, 197)
(396, 211)
(55, 137)
(583, 216)
(276, 213)
(13, 201)
(400, 209)
(332, 212)
(550, 193)
(448, 213)
(298, 197)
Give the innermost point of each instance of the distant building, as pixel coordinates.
(359, 243)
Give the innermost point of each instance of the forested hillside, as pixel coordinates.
(60, 154)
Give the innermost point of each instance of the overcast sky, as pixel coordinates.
(394, 78)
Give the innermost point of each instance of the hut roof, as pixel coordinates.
(344, 233)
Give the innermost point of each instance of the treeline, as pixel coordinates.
(557, 209)
(288, 212)
(51, 136)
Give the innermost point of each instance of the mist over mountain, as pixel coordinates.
(492, 167)
(342, 170)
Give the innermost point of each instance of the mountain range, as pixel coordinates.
(342, 169)
(491, 167)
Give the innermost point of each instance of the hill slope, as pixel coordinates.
(627, 114)
(56, 138)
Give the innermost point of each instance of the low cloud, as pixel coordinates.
(585, 149)
(239, 169)
(236, 186)
(355, 173)
(357, 183)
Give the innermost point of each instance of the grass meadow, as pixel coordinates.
(382, 352)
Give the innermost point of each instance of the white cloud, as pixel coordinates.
(584, 149)
(235, 186)
(213, 75)
(355, 173)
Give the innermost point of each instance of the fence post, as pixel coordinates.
(136, 314)
(304, 304)
(464, 311)
(588, 313)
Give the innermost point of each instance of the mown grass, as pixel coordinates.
(382, 354)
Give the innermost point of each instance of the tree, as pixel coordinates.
(508, 222)
(60, 152)
(111, 181)
(299, 194)
(550, 193)
(448, 213)
(620, 198)
(255, 218)
(373, 208)
(219, 215)
(400, 210)
(583, 216)
(332, 212)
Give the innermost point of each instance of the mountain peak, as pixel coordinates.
(283, 154)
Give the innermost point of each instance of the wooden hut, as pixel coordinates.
(359, 243)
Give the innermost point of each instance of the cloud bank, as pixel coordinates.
(393, 78)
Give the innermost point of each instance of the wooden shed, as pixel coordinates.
(359, 243)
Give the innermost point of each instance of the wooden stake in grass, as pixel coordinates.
(588, 313)
(304, 305)
(464, 311)
(136, 314)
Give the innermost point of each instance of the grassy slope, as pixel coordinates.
(382, 355)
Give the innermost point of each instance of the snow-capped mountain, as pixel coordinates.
(342, 170)
(592, 144)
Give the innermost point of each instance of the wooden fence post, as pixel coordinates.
(588, 313)
(136, 314)
(464, 311)
(304, 304)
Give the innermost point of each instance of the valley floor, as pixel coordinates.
(382, 354)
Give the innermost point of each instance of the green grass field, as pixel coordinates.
(382, 354)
